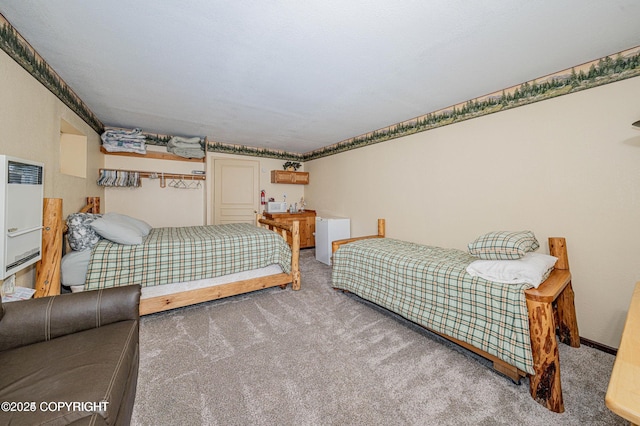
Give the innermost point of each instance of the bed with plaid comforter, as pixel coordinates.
(171, 255)
(430, 286)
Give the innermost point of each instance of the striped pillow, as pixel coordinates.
(503, 245)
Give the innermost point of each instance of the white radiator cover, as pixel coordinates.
(21, 193)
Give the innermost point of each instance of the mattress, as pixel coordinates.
(170, 255)
(179, 259)
(431, 287)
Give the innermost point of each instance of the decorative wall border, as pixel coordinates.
(625, 64)
(162, 140)
(254, 152)
(26, 56)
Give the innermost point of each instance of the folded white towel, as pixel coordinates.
(118, 134)
(179, 141)
(532, 269)
(187, 152)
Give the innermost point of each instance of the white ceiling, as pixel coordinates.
(299, 75)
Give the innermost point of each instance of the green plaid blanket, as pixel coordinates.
(430, 286)
(170, 255)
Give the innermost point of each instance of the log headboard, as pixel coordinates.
(92, 206)
(54, 228)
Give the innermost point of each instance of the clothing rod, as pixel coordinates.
(155, 175)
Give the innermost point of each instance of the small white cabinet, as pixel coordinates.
(329, 229)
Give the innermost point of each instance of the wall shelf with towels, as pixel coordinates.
(155, 155)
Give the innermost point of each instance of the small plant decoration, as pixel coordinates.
(290, 165)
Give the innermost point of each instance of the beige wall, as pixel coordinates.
(568, 166)
(158, 206)
(30, 117)
(181, 207)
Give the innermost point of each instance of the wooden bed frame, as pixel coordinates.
(551, 311)
(51, 261)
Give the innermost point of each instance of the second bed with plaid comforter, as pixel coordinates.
(431, 287)
(171, 255)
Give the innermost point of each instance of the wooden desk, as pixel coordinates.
(623, 393)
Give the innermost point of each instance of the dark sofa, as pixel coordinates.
(70, 359)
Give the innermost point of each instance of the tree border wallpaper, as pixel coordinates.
(27, 57)
(596, 73)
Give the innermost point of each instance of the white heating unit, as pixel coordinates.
(21, 193)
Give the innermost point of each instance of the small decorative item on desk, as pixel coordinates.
(291, 166)
(302, 204)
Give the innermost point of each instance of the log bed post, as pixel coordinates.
(381, 228)
(544, 385)
(294, 230)
(295, 255)
(93, 205)
(566, 313)
(48, 268)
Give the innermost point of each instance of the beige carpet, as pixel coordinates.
(320, 357)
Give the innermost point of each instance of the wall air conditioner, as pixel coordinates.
(21, 193)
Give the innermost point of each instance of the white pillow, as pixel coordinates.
(118, 231)
(140, 225)
(532, 269)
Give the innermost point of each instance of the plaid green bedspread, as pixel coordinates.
(170, 255)
(430, 286)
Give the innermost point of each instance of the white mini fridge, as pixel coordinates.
(329, 229)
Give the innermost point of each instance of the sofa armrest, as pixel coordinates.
(36, 320)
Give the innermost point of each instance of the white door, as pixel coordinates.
(236, 193)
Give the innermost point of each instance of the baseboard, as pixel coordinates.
(599, 346)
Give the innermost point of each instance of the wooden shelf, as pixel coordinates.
(284, 176)
(155, 155)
